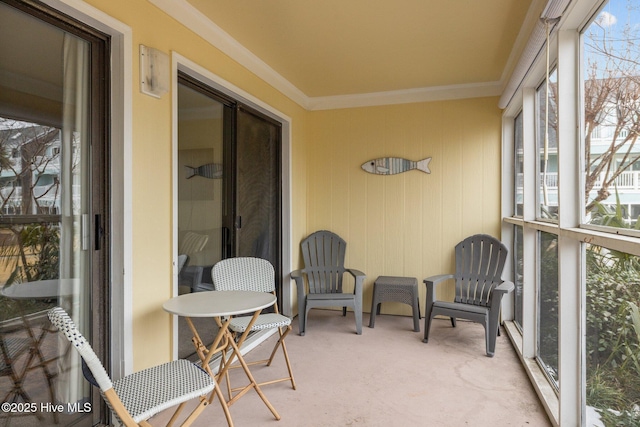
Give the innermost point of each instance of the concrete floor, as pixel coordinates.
(386, 377)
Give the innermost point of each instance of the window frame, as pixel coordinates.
(539, 139)
(567, 407)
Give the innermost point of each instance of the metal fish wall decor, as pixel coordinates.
(210, 170)
(394, 165)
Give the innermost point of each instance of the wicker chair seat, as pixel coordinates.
(264, 322)
(164, 386)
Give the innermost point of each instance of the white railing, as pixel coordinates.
(625, 181)
(551, 180)
(46, 196)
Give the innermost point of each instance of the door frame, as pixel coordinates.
(120, 174)
(197, 72)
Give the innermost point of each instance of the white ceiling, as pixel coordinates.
(338, 48)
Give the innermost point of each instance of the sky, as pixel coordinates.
(618, 24)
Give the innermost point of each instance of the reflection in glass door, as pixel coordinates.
(228, 189)
(258, 217)
(202, 239)
(51, 203)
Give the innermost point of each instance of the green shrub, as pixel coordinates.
(613, 335)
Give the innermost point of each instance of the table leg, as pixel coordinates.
(221, 343)
(36, 355)
(225, 365)
(253, 384)
(205, 356)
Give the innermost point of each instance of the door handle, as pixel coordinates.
(85, 231)
(226, 244)
(99, 232)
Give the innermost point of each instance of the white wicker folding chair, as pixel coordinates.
(254, 274)
(135, 398)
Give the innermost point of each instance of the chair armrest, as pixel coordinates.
(298, 276)
(191, 276)
(498, 292)
(505, 287)
(431, 283)
(356, 273)
(357, 289)
(434, 280)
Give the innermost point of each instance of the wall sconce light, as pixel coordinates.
(154, 71)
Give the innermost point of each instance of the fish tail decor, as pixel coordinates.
(423, 165)
(395, 165)
(210, 170)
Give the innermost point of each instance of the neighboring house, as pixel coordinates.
(603, 136)
(29, 183)
(627, 184)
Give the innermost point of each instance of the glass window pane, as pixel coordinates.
(46, 195)
(200, 199)
(518, 272)
(613, 335)
(547, 351)
(546, 140)
(518, 196)
(611, 109)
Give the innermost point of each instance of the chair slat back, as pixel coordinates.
(323, 253)
(480, 260)
(193, 243)
(244, 274)
(11, 349)
(61, 320)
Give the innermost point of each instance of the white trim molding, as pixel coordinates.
(192, 18)
(189, 16)
(425, 94)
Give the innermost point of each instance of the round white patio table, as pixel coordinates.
(222, 305)
(41, 289)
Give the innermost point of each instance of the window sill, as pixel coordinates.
(544, 390)
(619, 240)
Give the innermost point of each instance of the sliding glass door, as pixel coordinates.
(53, 206)
(228, 185)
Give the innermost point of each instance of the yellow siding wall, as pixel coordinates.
(405, 224)
(394, 225)
(152, 165)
